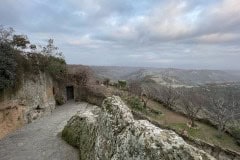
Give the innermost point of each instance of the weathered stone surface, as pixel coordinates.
(37, 95)
(32, 100)
(111, 133)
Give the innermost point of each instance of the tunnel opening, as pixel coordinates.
(70, 92)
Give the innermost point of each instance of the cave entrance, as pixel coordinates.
(70, 92)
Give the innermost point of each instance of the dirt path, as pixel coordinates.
(41, 139)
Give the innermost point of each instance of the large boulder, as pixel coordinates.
(111, 133)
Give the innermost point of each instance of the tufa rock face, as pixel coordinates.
(32, 100)
(111, 133)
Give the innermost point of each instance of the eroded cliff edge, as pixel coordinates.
(111, 133)
(32, 100)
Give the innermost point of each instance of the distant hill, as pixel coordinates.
(113, 72)
(73, 68)
(163, 76)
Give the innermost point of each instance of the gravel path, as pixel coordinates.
(41, 139)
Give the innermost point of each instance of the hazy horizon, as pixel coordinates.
(185, 34)
(155, 67)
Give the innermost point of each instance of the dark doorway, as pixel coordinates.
(70, 92)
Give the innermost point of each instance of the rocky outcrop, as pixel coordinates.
(33, 99)
(111, 133)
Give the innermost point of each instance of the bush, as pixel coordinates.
(57, 68)
(24, 64)
(7, 66)
(54, 66)
(122, 84)
(238, 142)
(135, 103)
(106, 82)
(235, 132)
(155, 111)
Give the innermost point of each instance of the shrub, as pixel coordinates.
(122, 84)
(23, 64)
(238, 142)
(135, 103)
(235, 132)
(56, 67)
(155, 111)
(7, 66)
(106, 82)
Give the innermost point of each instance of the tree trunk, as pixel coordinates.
(192, 121)
(144, 104)
(220, 132)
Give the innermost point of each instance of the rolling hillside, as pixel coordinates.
(177, 77)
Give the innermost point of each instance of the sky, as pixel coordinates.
(190, 34)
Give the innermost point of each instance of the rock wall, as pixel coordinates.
(94, 94)
(111, 133)
(32, 100)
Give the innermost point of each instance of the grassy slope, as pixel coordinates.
(203, 132)
(177, 121)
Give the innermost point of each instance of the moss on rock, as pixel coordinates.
(111, 133)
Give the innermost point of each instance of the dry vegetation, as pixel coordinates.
(178, 121)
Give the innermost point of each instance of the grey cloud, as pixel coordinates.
(173, 33)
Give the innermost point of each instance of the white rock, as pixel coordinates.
(111, 133)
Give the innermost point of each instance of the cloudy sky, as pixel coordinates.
(154, 33)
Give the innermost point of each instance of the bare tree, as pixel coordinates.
(192, 103)
(225, 108)
(148, 92)
(135, 88)
(51, 50)
(168, 95)
(82, 77)
(6, 34)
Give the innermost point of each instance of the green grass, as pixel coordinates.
(203, 131)
(208, 134)
(178, 122)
